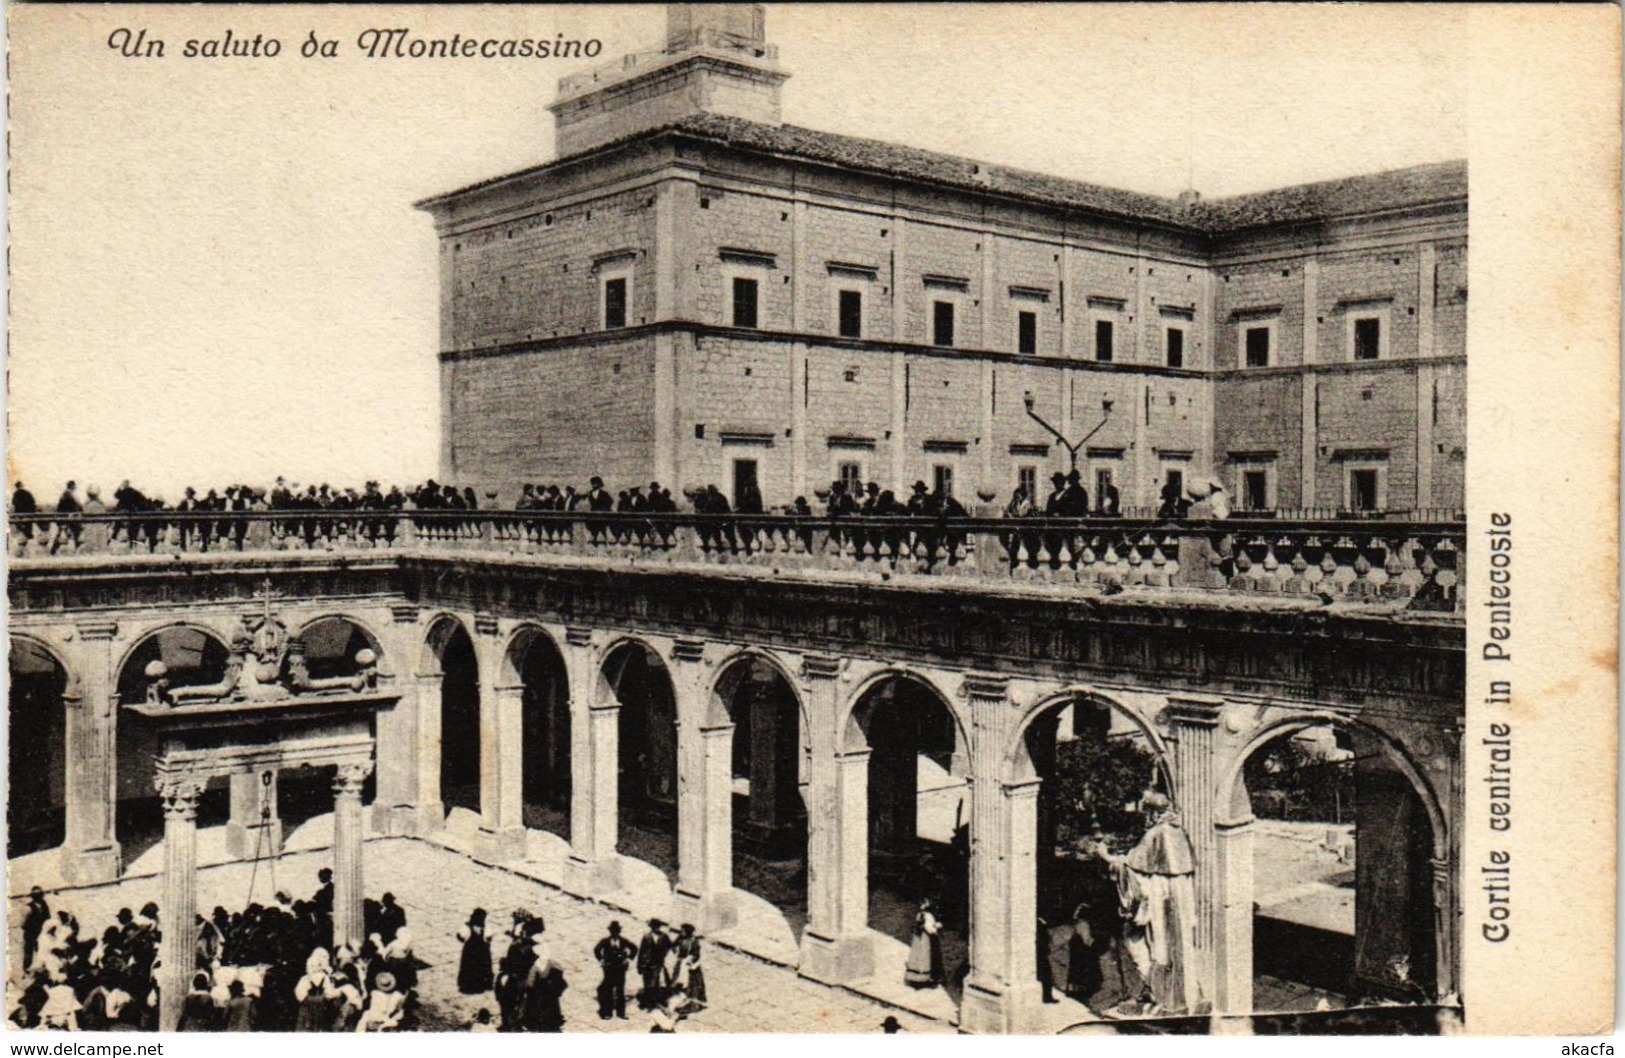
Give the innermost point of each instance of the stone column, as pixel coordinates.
(178, 909)
(1233, 937)
(1002, 993)
(593, 867)
(431, 811)
(1193, 743)
(835, 947)
(704, 888)
(90, 854)
(395, 806)
(348, 886)
(251, 832)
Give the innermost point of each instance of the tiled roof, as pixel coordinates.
(1419, 185)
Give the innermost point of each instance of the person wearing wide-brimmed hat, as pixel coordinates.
(385, 1006)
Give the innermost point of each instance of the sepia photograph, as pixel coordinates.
(730, 518)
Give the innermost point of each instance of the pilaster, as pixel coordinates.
(501, 836)
(593, 866)
(704, 796)
(90, 854)
(398, 750)
(254, 829)
(1002, 993)
(1194, 745)
(835, 947)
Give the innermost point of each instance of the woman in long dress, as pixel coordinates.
(474, 972)
(690, 974)
(924, 966)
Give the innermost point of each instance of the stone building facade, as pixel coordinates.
(697, 292)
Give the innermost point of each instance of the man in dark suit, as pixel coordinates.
(652, 964)
(613, 953)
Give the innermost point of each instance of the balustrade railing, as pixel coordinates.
(1364, 560)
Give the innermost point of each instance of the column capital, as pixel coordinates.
(688, 650)
(1195, 710)
(180, 796)
(350, 777)
(578, 637)
(984, 686)
(821, 666)
(96, 631)
(1025, 790)
(403, 613)
(485, 624)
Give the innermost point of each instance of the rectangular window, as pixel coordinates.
(1363, 491)
(744, 299)
(1103, 480)
(851, 476)
(746, 492)
(614, 303)
(1103, 340)
(1255, 490)
(1367, 338)
(850, 307)
(1175, 480)
(1027, 332)
(942, 323)
(1027, 481)
(1176, 347)
(1258, 346)
(942, 477)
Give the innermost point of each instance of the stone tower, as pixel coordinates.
(716, 61)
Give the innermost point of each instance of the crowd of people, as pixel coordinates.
(267, 968)
(526, 981)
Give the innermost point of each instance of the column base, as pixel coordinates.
(708, 912)
(91, 866)
(395, 821)
(430, 818)
(244, 840)
(500, 846)
(1230, 1025)
(997, 1009)
(837, 960)
(592, 878)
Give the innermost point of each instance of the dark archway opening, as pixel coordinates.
(769, 813)
(546, 736)
(330, 647)
(38, 761)
(919, 818)
(647, 744)
(1095, 765)
(459, 722)
(1342, 877)
(192, 658)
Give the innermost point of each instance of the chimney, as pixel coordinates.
(716, 60)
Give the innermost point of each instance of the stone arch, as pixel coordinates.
(1231, 791)
(321, 657)
(1426, 892)
(732, 669)
(40, 680)
(1017, 761)
(130, 681)
(634, 673)
(441, 629)
(851, 735)
(449, 656)
(533, 662)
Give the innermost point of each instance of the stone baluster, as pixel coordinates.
(90, 853)
(835, 946)
(178, 946)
